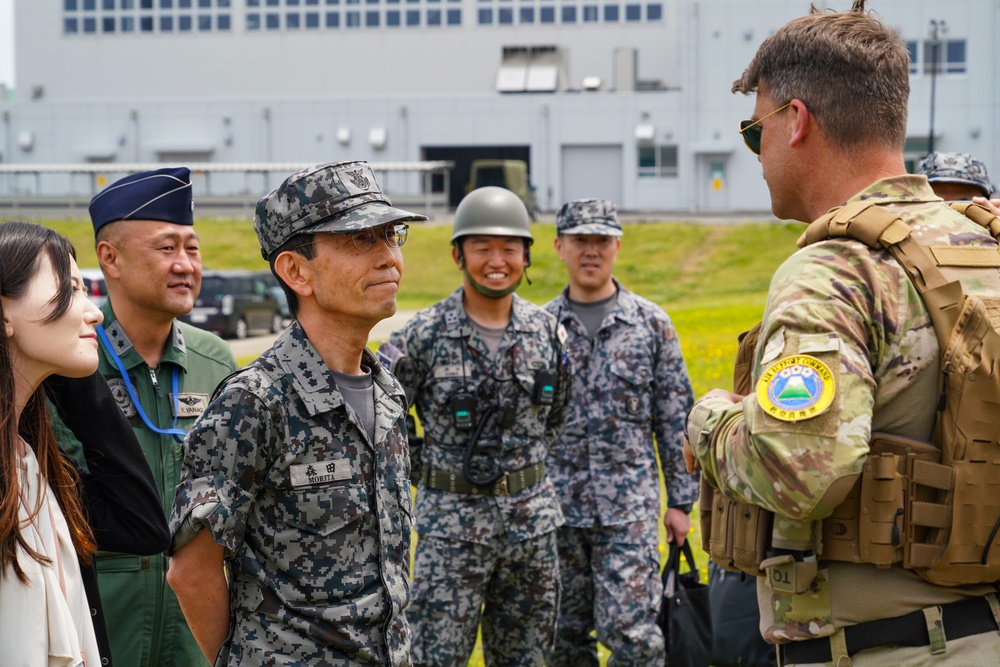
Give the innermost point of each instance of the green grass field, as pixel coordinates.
(711, 279)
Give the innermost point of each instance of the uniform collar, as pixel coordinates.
(909, 188)
(312, 378)
(457, 324)
(174, 353)
(626, 309)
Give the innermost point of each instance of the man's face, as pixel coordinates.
(589, 259)
(775, 157)
(495, 262)
(956, 191)
(356, 283)
(158, 266)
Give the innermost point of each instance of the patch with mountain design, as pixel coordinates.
(796, 388)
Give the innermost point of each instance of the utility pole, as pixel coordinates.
(937, 28)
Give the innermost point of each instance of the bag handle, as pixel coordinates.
(672, 570)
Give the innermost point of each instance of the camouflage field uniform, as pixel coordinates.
(856, 311)
(629, 383)
(473, 550)
(314, 517)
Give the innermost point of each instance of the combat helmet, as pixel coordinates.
(492, 211)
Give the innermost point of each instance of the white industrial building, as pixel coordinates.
(626, 99)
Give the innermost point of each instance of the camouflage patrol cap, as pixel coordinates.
(588, 216)
(332, 197)
(956, 168)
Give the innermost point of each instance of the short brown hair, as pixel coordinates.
(851, 71)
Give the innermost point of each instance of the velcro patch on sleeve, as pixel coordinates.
(796, 388)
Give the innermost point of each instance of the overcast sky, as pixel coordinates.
(7, 42)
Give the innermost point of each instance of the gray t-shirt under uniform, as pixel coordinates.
(359, 392)
(592, 313)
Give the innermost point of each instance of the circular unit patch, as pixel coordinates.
(796, 388)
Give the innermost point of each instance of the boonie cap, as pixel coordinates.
(163, 194)
(956, 168)
(331, 197)
(588, 216)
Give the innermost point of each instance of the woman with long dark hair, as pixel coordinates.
(52, 520)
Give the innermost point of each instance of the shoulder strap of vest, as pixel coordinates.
(979, 215)
(878, 227)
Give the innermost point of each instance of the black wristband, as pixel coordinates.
(684, 507)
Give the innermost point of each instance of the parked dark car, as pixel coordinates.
(279, 294)
(233, 303)
(93, 282)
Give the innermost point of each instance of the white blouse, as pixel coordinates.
(47, 621)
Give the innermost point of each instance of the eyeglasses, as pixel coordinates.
(365, 239)
(751, 130)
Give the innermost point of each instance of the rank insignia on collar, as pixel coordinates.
(796, 388)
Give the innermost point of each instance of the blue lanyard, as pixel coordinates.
(177, 433)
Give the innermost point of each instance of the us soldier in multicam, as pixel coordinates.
(846, 349)
(488, 381)
(629, 384)
(297, 475)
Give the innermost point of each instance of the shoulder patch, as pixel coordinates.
(796, 388)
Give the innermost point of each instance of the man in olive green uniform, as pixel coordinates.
(846, 349)
(162, 373)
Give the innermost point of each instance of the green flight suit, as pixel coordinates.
(145, 623)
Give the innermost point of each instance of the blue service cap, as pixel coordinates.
(163, 194)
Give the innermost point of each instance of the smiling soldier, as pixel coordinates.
(488, 381)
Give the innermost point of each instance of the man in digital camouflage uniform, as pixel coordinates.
(488, 381)
(297, 475)
(629, 384)
(161, 373)
(956, 176)
(846, 349)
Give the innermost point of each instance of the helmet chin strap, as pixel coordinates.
(486, 291)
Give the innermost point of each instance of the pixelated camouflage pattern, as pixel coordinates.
(956, 168)
(629, 384)
(307, 200)
(511, 587)
(610, 583)
(318, 572)
(855, 309)
(588, 216)
(441, 342)
(434, 346)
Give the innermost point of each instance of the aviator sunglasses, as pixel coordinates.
(751, 130)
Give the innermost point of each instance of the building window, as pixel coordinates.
(204, 4)
(611, 13)
(70, 26)
(433, 17)
(454, 17)
(272, 21)
(108, 24)
(146, 24)
(547, 15)
(108, 5)
(654, 12)
(485, 16)
(589, 13)
(127, 4)
(222, 22)
(127, 24)
(204, 22)
(633, 12)
(353, 20)
(333, 19)
(166, 4)
(527, 14)
(90, 25)
(184, 23)
(911, 47)
(371, 19)
(253, 21)
(89, 6)
(69, 6)
(412, 17)
(222, 4)
(312, 3)
(657, 161)
(272, 3)
(291, 21)
(292, 3)
(166, 24)
(184, 4)
(951, 58)
(568, 14)
(143, 4)
(392, 18)
(312, 20)
(505, 16)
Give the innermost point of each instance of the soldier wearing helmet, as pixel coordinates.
(488, 379)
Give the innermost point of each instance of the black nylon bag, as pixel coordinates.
(736, 640)
(685, 613)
